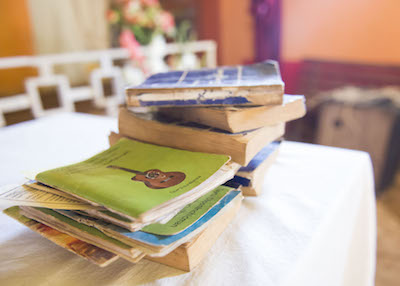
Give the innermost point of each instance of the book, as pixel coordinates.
(129, 245)
(240, 118)
(157, 129)
(140, 181)
(251, 177)
(156, 222)
(85, 233)
(85, 250)
(256, 84)
(188, 255)
(174, 225)
(27, 194)
(185, 257)
(159, 245)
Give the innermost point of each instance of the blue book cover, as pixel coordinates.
(165, 240)
(255, 84)
(261, 156)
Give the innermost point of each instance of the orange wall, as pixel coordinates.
(230, 24)
(237, 32)
(366, 31)
(15, 40)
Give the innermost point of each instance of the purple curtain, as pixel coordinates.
(267, 19)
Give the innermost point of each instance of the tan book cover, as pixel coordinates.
(237, 119)
(152, 128)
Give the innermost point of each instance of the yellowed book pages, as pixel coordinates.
(85, 250)
(242, 147)
(17, 195)
(237, 119)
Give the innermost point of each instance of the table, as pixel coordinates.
(314, 224)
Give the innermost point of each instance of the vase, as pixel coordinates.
(132, 74)
(188, 61)
(157, 50)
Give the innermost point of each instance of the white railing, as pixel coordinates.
(67, 94)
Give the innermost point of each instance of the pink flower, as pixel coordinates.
(167, 22)
(128, 41)
(150, 3)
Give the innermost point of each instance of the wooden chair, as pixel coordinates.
(107, 96)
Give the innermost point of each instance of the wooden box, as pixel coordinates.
(371, 128)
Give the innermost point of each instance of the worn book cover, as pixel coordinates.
(250, 178)
(183, 220)
(189, 214)
(240, 118)
(256, 84)
(189, 254)
(157, 129)
(83, 232)
(153, 244)
(133, 177)
(88, 251)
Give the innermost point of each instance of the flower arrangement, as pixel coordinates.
(142, 19)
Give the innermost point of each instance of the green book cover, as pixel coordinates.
(189, 214)
(186, 217)
(82, 227)
(133, 177)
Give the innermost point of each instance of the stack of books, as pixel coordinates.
(237, 111)
(173, 177)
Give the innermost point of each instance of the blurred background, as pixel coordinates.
(77, 55)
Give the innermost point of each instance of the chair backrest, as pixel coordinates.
(49, 82)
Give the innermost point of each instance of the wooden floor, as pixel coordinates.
(388, 217)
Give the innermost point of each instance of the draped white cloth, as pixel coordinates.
(314, 224)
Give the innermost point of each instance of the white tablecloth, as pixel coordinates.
(314, 223)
